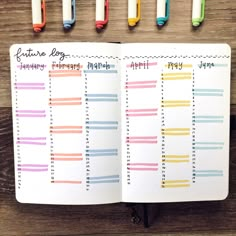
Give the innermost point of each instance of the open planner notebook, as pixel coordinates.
(102, 123)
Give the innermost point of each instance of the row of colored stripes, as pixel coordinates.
(186, 183)
(78, 73)
(129, 112)
(130, 140)
(130, 166)
(114, 97)
(90, 180)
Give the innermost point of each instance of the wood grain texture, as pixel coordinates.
(24, 219)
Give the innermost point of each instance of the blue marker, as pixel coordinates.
(68, 8)
(163, 10)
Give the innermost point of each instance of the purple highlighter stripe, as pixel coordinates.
(29, 88)
(31, 138)
(30, 143)
(32, 165)
(30, 111)
(29, 84)
(29, 115)
(32, 170)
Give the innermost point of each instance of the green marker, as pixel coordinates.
(198, 12)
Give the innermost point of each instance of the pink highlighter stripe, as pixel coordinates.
(31, 138)
(142, 114)
(29, 84)
(32, 170)
(143, 169)
(141, 141)
(66, 154)
(142, 164)
(141, 110)
(66, 182)
(30, 111)
(142, 137)
(28, 115)
(141, 82)
(32, 165)
(30, 143)
(65, 71)
(65, 75)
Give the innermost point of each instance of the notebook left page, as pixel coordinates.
(66, 119)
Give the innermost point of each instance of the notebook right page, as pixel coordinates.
(175, 122)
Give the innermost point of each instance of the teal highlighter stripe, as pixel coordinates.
(103, 177)
(220, 65)
(208, 175)
(209, 171)
(101, 71)
(102, 154)
(102, 95)
(209, 90)
(101, 127)
(101, 100)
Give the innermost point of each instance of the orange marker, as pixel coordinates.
(38, 15)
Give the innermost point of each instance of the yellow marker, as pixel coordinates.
(134, 12)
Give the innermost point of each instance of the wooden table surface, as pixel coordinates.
(192, 218)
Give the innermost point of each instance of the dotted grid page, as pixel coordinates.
(175, 122)
(66, 117)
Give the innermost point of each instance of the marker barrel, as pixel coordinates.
(196, 12)
(161, 8)
(132, 9)
(36, 12)
(100, 10)
(67, 10)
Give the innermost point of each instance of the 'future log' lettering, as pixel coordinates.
(30, 53)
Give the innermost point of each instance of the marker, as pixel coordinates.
(102, 13)
(163, 10)
(134, 12)
(68, 10)
(38, 15)
(198, 12)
